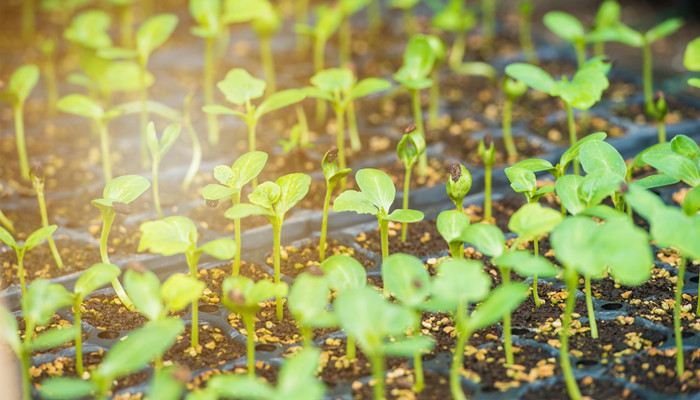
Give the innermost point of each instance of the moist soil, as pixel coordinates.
(399, 384)
(441, 327)
(468, 150)
(656, 370)
(215, 348)
(106, 312)
(527, 315)
(678, 111)
(295, 260)
(214, 278)
(56, 322)
(558, 132)
(590, 388)
(422, 239)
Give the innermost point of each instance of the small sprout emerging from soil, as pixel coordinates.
(333, 175)
(33, 240)
(37, 175)
(452, 225)
(308, 302)
(158, 149)
(658, 110)
(458, 184)
(410, 148)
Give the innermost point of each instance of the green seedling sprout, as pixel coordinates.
(158, 149)
(33, 240)
(582, 92)
(583, 246)
(47, 45)
(301, 18)
(274, 200)
(84, 106)
(365, 314)
(127, 356)
(296, 141)
(196, 145)
(116, 197)
(232, 179)
(308, 302)
(348, 8)
(487, 152)
(126, 21)
(418, 61)
(178, 235)
(240, 88)
(343, 273)
(242, 296)
(7, 223)
(92, 279)
(513, 90)
(607, 17)
(525, 10)
(458, 284)
(409, 282)
(333, 175)
(440, 52)
(375, 197)
(691, 60)
(409, 21)
(530, 221)
(297, 381)
(339, 87)
(569, 28)
(409, 149)
(452, 226)
(457, 19)
(38, 305)
(170, 383)
(18, 89)
(37, 174)
(458, 184)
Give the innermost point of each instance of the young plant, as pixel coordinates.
(531, 221)
(37, 174)
(267, 21)
(691, 60)
(607, 17)
(84, 106)
(116, 197)
(38, 305)
(158, 148)
(456, 18)
(365, 314)
(458, 184)
(92, 279)
(513, 90)
(440, 53)
(409, 21)
(458, 284)
(126, 21)
(333, 175)
(452, 226)
(242, 296)
(525, 10)
(583, 246)
(409, 149)
(196, 146)
(569, 28)
(680, 161)
(18, 89)
(375, 197)
(487, 152)
(7, 223)
(33, 240)
(178, 235)
(274, 200)
(232, 180)
(406, 278)
(308, 302)
(127, 356)
(240, 88)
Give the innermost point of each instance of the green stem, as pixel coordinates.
(107, 220)
(599, 49)
(662, 131)
(21, 146)
(418, 117)
(680, 367)
(7, 223)
(307, 335)
(192, 261)
(20, 271)
(384, 232)
(378, 374)
(344, 39)
(406, 188)
(455, 248)
(104, 148)
(350, 348)
(434, 105)
(374, 15)
(127, 20)
(535, 293)
(487, 193)
(301, 12)
(25, 358)
(580, 47)
(418, 361)
(249, 322)
(510, 360)
(303, 124)
(78, 338)
(353, 132)
(457, 52)
(589, 306)
(45, 222)
(277, 239)
(525, 30)
(647, 75)
(252, 145)
(212, 123)
(196, 152)
(268, 63)
(488, 8)
(458, 358)
(507, 135)
(324, 223)
(573, 137)
(156, 193)
(28, 20)
(340, 141)
(143, 96)
(321, 105)
(564, 359)
(236, 198)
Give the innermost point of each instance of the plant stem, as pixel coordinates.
(307, 335)
(78, 337)
(252, 146)
(353, 133)
(526, 44)
(564, 360)
(507, 136)
(20, 270)
(104, 148)
(378, 374)
(647, 75)
(589, 306)
(196, 151)
(156, 193)
(7, 223)
(457, 52)
(127, 20)
(143, 96)
(340, 141)
(301, 12)
(249, 321)
(344, 38)
(487, 193)
(573, 137)
(488, 9)
(580, 47)
(374, 15)
(508, 344)
(236, 198)
(434, 105)
(535, 293)
(277, 239)
(455, 248)
(409, 22)
(350, 348)
(418, 117)
(303, 124)
(107, 220)
(39, 187)
(384, 232)
(25, 359)
(599, 48)
(678, 304)
(21, 146)
(324, 223)
(192, 261)
(319, 47)
(458, 358)
(212, 123)
(268, 63)
(662, 131)
(418, 361)
(406, 188)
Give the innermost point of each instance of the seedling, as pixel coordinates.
(339, 86)
(440, 53)
(525, 10)
(126, 21)
(232, 180)
(84, 106)
(116, 197)
(531, 221)
(240, 88)
(583, 246)
(127, 356)
(296, 142)
(458, 184)
(241, 296)
(92, 279)
(406, 278)
(569, 28)
(375, 197)
(333, 175)
(457, 19)
(18, 89)
(274, 200)
(681, 161)
(177, 235)
(409, 149)
(452, 225)
(158, 148)
(584, 90)
(33, 240)
(7, 223)
(196, 145)
(365, 314)
(418, 61)
(459, 283)
(409, 22)
(308, 302)
(487, 152)
(607, 17)
(513, 90)
(691, 60)
(38, 305)
(37, 174)
(296, 382)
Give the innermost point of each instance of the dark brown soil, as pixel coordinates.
(215, 348)
(656, 370)
(441, 327)
(25, 221)
(399, 385)
(530, 316)
(55, 322)
(661, 312)
(422, 239)
(599, 390)
(106, 312)
(467, 149)
(661, 286)
(501, 210)
(294, 261)
(678, 111)
(335, 366)
(559, 131)
(214, 277)
(267, 372)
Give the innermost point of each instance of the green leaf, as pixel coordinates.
(168, 236)
(140, 347)
(240, 87)
(352, 200)
(410, 147)
(125, 188)
(144, 290)
(534, 165)
(343, 272)
(532, 75)
(694, 82)
(377, 186)
(487, 238)
(459, 282)
(503, 300)
(691, 204)
(66, 388)
(522, 180)
(214, 191)
(39, 236)
(316, 93)
(608, 14)
(654, 181)
(572, 241)
(207, 14)
(686, 147)
(246, 210)
(154, 32)
(405, 216)
(597, 186)
(43, 299)
(457, 190)
(223, 249)
(674, 165)
(94, 277)
(217, 109)
(476, 68)
(168, 139)
(279, 100)
(672, 228)
(603, 211)
(632, 266)
(238, 386)
(406, 278)
(409, 346)
(643, 202)
(297, 380)
(90, 29)
(165, 386)
(53, 338)
(452, 225)
(6, 237)
(527, 264)
(368, 86)
(82, 105)
(597, 154)
(308, 299)
(533, 220)
(9, 329)
(691, 58)
(564, 25)
(572, 152)
(664, 29)
(252, 294)
(587, 86)
(248, 166)
(22, 81)
(293, 188)
(567, 188)
(180, 290)
(620, 33)
(334, 80)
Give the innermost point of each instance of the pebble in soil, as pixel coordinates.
(295, 260)
(214, 278)
(215, 348)
(399, 384)
(589, 387)
(656, 370)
